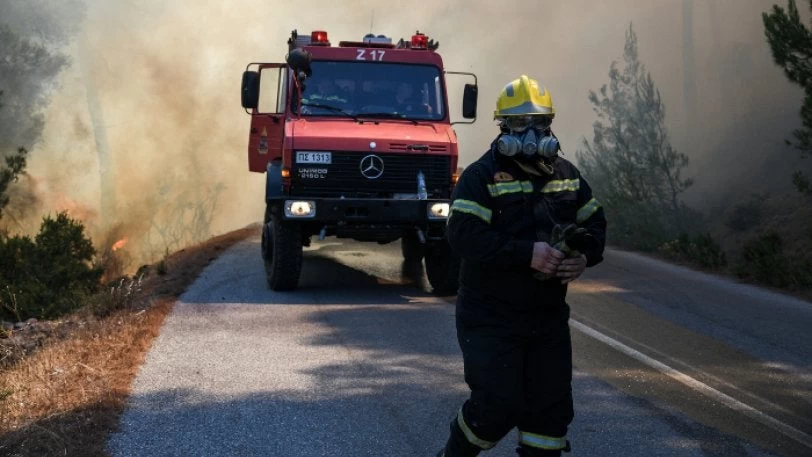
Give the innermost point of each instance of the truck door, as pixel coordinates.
(267, 109)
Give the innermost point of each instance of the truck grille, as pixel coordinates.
(343, 176)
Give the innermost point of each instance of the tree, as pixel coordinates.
(791, 45)
(15, 164)
(27, 71)
(31, 33)
(630, 162)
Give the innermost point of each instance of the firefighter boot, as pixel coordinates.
(458, 445)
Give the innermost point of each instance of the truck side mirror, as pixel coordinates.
(250, 89)
(469, 100)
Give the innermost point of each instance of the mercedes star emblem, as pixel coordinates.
(372, 166)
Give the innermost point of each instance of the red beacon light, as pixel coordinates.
(420, 41)
(319, 38)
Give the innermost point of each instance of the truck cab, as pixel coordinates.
(356, 141)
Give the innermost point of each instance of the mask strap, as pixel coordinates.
(556, 139)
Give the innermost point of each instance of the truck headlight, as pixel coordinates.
(300, 208)
(438, 211)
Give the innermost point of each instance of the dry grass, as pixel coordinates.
(65, 398)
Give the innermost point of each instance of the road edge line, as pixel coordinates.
(785, 429)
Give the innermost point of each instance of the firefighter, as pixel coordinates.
(525, 224)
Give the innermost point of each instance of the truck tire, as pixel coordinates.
(282, 252)
(442, 268)
(411, 247)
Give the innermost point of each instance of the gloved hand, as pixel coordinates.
(565, 239)
(546, 258)
(571, 268)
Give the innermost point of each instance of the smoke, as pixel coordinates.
(146, 135)
(31, 36)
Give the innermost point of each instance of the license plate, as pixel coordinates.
(314, 157)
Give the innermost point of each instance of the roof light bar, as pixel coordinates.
(380, 39)
(319, 38)
(420, 41)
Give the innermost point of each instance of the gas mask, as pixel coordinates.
(529, 136)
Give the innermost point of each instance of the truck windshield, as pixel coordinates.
(367, 89)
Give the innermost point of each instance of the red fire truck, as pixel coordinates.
(356, 141)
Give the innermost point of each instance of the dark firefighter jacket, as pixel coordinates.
(495, 219)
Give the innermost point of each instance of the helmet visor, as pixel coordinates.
(522, 123)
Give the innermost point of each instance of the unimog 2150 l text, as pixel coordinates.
(357, 142)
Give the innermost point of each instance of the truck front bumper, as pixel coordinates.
(381, 220)
(372, 210)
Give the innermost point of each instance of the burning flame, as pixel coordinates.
(119, 244)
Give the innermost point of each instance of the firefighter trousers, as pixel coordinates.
(519, 377)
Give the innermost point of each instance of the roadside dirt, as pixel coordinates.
(64, 384)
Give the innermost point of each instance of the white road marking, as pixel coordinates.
(730, 402)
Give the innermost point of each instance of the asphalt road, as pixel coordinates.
(362, 361)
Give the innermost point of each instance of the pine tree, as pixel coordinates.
(630, 162)
(14, 165)
(791, 45)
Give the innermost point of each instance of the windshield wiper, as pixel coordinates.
(389, 116)
(332, 108)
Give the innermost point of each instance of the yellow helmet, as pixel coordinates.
(522, 97)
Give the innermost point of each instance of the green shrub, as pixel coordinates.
(638, 226)
(700, 250)
(764, 260)
(646, 227)
(50, 275)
